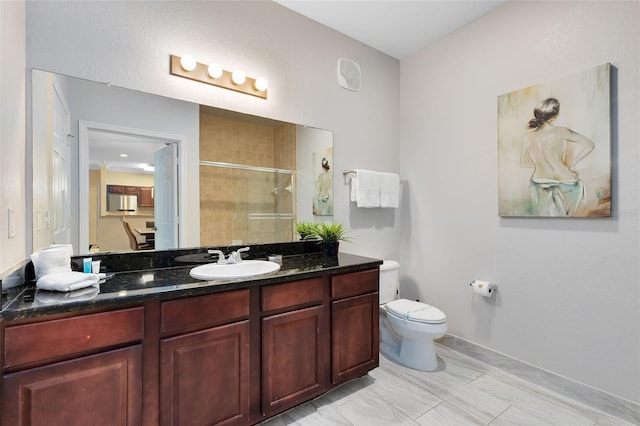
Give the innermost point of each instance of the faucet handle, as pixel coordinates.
(236, 256)
(220, 254)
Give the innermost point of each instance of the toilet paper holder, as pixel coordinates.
(489, 286)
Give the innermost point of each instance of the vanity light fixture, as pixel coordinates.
(214, 74)
(215, 71)
(188, 63)
(238, 77)
(261, 84)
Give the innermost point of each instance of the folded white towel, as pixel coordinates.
(390, 190)
(44, 297)
(67, 281)
(367, 188)
(51, 260)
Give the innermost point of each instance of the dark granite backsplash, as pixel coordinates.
(143, 260)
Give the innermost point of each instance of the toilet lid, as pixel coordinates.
(410, 310)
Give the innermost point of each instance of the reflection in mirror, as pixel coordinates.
(132, 186)
(257, 176)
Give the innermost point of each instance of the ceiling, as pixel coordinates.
(396, 27)
(120, 152)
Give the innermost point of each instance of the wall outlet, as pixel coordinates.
(11, 223)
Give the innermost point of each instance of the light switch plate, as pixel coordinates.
(11, 223)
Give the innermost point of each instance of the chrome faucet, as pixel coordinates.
(220, 254)
(236, 256)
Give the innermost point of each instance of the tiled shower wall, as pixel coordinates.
(235, 205)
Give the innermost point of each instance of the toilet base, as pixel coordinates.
(416, 354)
(419, 355)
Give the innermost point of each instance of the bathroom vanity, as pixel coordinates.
(157, 347)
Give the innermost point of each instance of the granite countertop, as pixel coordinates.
(131, 287)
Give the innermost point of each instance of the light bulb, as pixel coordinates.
(238, 77)
(261, 84)
(188, 63)
(215, 71)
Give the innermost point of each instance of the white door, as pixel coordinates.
(165, 193)
(60, 171)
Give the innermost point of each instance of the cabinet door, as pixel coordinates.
(103, 389)
(115, 189)
(354, 338)
(205, 377)
(291, 359)
(145, 198)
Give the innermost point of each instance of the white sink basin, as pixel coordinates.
(244, 269)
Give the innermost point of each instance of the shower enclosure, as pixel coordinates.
(241, 204)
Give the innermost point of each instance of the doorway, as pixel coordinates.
(126, 157)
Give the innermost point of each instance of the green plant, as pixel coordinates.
(307, 230)
(332, 232)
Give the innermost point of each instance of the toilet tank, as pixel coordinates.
(389, 276)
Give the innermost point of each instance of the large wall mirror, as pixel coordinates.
(109, 171)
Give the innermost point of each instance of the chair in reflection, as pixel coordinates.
(133, 240)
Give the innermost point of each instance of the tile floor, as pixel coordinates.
(463, 391)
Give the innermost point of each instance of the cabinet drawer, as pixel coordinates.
(355, 283)
(287, 295)
(213, 309)
(30, 343)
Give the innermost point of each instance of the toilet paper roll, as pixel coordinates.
(483, 288)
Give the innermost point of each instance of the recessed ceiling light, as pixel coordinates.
(124, 155)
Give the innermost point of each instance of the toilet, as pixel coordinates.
(407, 328)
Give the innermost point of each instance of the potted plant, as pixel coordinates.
(331, 235)
(307, 230)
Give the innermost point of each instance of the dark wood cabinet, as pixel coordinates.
(65, 371)
(354, 325)
(204, 360)
(123, 189)
(115, 189)
(145, 196)
(205, 377)
(354, 341)
(225, 358)
(94, 390)
(293, 354)
(145, 193)
(292, 365)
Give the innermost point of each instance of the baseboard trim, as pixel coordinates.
(600, 400)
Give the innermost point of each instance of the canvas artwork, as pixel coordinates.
(554, 148)
(323, 195)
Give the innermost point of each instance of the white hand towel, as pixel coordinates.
(67, 281)
(56, 297)
(367, 191)
(52, 260)
(390, 190)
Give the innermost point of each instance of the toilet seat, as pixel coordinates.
(411, 311)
